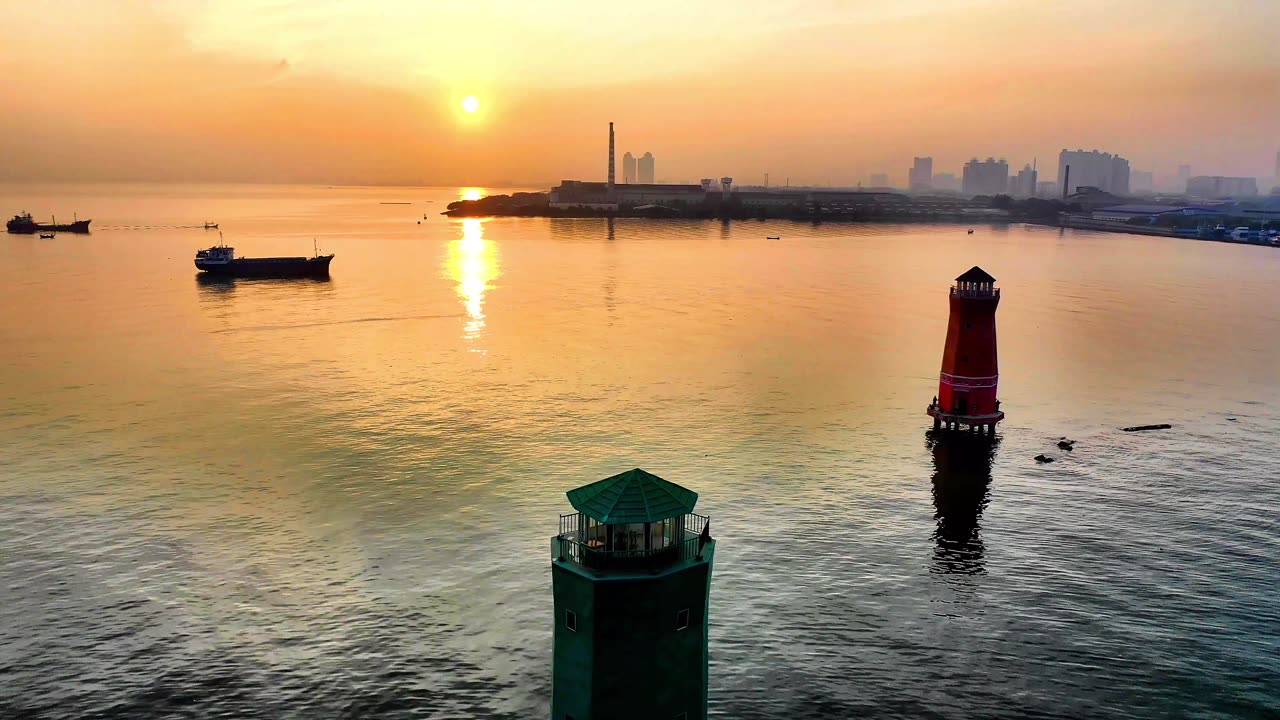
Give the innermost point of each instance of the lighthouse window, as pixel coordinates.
(968, 325)
(571, 620)
(682, 619)
(964, 359)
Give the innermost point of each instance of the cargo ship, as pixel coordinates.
(24, 224)
(220, 260)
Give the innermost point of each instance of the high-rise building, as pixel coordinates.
(1119, 175)
(1046, 189)
(1184, 174)
(1024, 183)
(1141, 181)
(1278, 167)
(1216, 186)
(644, 169)
(879, 180)
(1090, 168)
(985, 177)
(628, 168)
(920, 176)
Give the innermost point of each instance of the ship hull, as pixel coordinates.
(80, 226)
(269, 267)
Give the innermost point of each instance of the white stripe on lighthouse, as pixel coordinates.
(968, 381)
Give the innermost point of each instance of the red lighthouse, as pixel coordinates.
(967, 387)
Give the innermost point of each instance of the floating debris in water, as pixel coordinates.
(1140, 428)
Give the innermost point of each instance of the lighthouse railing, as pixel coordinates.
(577, 547)
(976, 292)
(598, 559)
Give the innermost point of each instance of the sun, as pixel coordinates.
(471, 103)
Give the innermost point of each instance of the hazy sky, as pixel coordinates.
(821, 91)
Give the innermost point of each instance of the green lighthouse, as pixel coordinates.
(631, 573)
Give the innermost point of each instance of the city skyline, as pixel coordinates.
(284, 93)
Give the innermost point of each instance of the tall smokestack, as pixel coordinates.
(610, 157)
(1066, 181)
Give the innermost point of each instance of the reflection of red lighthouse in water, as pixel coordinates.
(967, 387)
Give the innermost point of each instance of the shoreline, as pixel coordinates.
(1148, 230)
(536, 204)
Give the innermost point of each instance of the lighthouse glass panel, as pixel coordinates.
(658, 537)
(593, 533)
(628, 536)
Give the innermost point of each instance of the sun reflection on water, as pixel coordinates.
(472, 263)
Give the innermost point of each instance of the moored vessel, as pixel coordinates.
(221, 260)
(22, 223)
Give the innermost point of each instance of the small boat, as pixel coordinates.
(221, 260)
(46, 236)
(210, 226)
(970, 231)
(772, 237)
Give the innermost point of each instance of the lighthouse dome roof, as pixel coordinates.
(634, 496)
(976, 274)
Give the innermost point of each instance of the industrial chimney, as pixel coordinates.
(610, 160)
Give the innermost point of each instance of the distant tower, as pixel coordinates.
(631, 576)
(967, 386)
(628, 168)
(611, 158)
(726, 189)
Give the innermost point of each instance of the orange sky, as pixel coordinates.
(822, 91)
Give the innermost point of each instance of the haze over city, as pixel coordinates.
(818, 92)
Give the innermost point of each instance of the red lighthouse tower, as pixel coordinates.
(967, 387)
